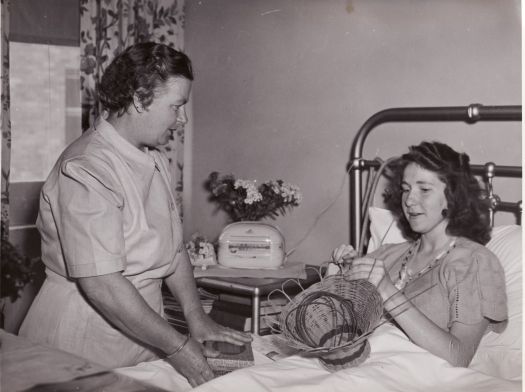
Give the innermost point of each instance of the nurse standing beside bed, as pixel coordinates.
(111, 233)
(439, 207)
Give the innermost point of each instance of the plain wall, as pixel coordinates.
(282, 87)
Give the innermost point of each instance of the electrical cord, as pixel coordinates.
(323, 211)
(370, 200)
(371, 187)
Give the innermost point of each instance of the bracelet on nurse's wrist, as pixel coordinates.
(178, 349)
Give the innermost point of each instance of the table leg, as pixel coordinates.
(256, 308)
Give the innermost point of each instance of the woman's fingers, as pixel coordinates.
(367, 268)
(342, 252)
(338, 252)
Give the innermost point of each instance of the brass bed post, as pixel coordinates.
(488, 172)
(469, 114)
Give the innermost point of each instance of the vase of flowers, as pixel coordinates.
(246, 200)
(248, 243)
(201, 251)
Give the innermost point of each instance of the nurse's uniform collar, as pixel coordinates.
(136, 158)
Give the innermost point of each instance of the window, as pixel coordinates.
(44, 71)
(44, 78)
(45, 106)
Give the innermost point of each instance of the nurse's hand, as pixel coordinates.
(190, 361)
(203, 328)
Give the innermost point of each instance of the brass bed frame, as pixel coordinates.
(470, 114)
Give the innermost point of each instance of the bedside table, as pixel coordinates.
(256, 288)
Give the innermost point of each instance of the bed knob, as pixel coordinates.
(473, 112)
(490, 169)
(495, 201)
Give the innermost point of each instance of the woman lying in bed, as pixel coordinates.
(438, 204)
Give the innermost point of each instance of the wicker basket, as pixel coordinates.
(331, 319)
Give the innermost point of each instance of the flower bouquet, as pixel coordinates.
(244, 200)
(201, 251)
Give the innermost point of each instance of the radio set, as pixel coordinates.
(253, 245)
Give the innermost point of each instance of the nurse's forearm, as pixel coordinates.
(182, 284)
(123, 306)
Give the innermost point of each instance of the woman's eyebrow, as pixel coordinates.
(423, 182)
(418, 182)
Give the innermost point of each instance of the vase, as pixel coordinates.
(252, 245)
(199, 261)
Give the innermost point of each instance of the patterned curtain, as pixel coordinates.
(109, 26)
(6, 118)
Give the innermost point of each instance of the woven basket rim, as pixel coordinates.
(329, 284)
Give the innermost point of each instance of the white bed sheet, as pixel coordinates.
(395, 364)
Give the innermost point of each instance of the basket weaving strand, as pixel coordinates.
(331, 315)
(387, 317)
(336, 316)
(331, 310)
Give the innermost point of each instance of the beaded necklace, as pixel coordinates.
(405, 276)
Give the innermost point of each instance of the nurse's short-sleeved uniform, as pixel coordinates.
(106, 207)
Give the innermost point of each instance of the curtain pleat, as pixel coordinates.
(109, 26)
(6, 118)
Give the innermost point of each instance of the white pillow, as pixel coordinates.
(500, 354)
(506, 243)
(383, 229)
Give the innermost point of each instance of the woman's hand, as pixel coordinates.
(344, 254)
(374, 271)
(203, 328)
(191, 363)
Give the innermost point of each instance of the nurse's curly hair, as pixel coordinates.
(140, 69)
(467, 209)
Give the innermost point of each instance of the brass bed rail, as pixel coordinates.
(470, 114)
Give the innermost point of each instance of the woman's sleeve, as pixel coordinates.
(88, 216)
(476, 288)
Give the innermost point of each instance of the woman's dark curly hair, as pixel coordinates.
(467, 212)
(140, 70)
